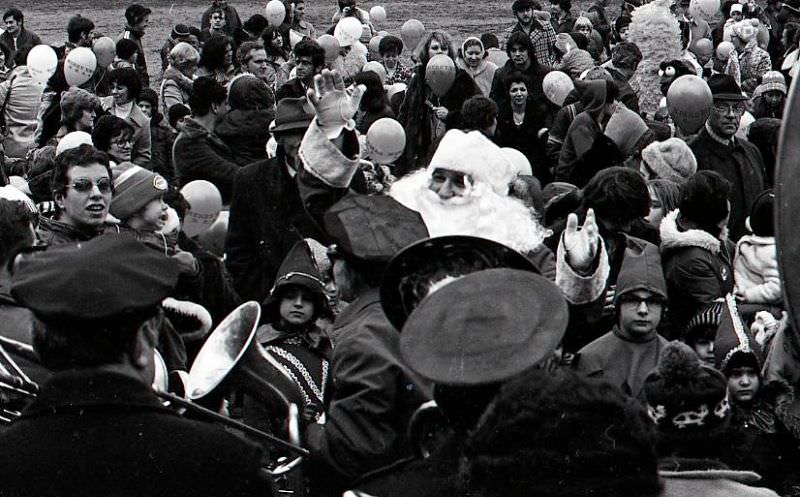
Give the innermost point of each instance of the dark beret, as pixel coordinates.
(485, 327)
(373, 228)
(97, 280)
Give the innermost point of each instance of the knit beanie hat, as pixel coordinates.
(734, 345)
(683, 395)
(72, 140)
(762, 214)
(670, 159)
(247, 92)
(625, 128)
(771, 81)
(133, 189)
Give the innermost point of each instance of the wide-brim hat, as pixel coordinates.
(292, 114)
(440, 257)
(724, 87)
(485, 327)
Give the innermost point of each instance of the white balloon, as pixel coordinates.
(377, 14)
(556, 87)
(205, 203)
(386, 140)
(377, 68)
(276, 12)
(347, 31)
(42, 62)
(79, 66)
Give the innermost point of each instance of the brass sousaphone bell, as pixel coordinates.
(231, 358)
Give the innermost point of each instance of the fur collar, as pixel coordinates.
(672, 237)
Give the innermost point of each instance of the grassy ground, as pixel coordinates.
(48, 18)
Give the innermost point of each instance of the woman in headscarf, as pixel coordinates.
(176, 84)
(472, 59)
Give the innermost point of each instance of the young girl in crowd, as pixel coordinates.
(290, 337)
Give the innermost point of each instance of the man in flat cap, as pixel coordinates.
(96, 427)
(375, 393)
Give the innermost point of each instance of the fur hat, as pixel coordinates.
(671, 159)
(473, 154)
(684, 395)
(133, 189)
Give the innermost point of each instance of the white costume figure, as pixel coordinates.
(485, 209)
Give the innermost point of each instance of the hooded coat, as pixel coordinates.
(616, 357)
(584, 129)
(245, 128)
(697, 266)
(483, 75)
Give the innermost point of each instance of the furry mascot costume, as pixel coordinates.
(657, 34)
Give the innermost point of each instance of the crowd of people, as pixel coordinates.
(539, 262)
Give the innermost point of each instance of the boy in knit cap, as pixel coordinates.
(625, 355)
(671, 159)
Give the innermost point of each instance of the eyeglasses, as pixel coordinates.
(736, 109)
(650, 300)
(85, 185)
(122, 142)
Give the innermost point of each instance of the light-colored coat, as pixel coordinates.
(755, 270)
(20, 110)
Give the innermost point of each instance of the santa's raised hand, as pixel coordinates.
(334, 104)
(582, 243)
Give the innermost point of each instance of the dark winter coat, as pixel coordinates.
(162, 138)
(200, 154)
(246, 133)
(740, 164)
(535, 74)
(266, 219)
(769, 433)
(291, 89)
(525, 137)
(104, 433)
(415, 116)
(25, 41)
(373, 399)
(141, 61)
(698, 268)
(53, 232)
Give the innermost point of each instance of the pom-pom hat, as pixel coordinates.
(683, 395)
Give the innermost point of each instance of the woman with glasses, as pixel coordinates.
(114, 136)
(125, 89)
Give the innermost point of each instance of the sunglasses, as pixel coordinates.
(85, 185)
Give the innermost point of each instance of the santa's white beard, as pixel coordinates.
(481, 212)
